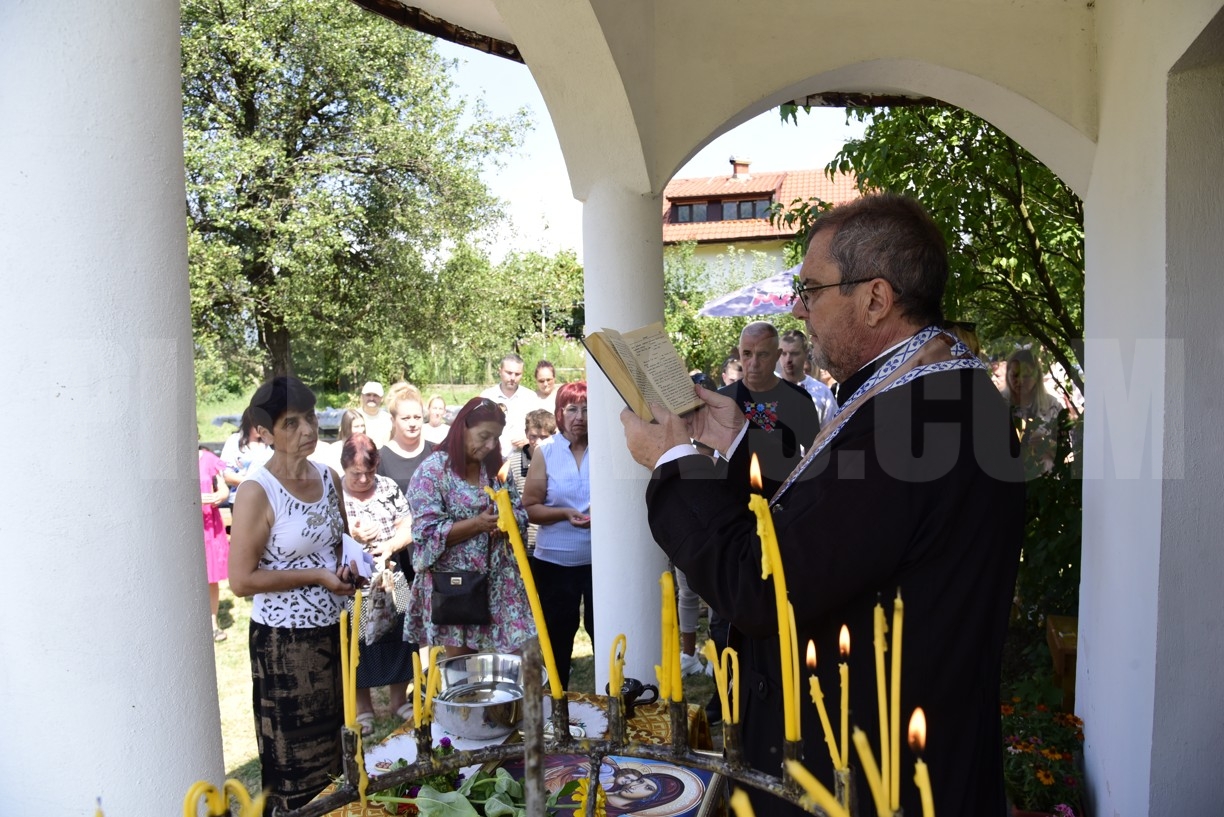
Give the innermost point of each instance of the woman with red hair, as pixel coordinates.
(557, 496)
(454, 527)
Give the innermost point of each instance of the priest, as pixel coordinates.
(914, 486)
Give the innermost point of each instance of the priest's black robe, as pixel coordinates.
(922, 490)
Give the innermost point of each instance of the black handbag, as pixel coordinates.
(460, 597)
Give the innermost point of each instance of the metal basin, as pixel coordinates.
(479, 711)
(480, 668)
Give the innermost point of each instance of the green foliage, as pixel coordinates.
(1041, 750)
(328, 169)
(704, 343)
(1015, 231)
(1049, 578)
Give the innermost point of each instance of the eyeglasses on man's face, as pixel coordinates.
(799, 291)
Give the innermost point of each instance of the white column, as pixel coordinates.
(107, 684)
(623, 262)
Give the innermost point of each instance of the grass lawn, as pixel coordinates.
(234, 688)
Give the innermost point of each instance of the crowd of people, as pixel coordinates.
(832, 421)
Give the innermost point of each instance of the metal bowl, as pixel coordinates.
(483, 667)
(482, 710)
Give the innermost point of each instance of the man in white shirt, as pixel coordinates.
(790, 368)
(377, 420)
(514, 400)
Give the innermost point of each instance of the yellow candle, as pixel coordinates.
(354, 657)
(843, 644)
(874, 782)
(677, 681)
(616, 666)
(894, 740)
(794, 654)
(771, 564)
(433, 684)
(720, 677)
(813, 788)
(922, 777)
(735, 680)
(246, 806)
(417, 678)
(349, 717)
(507, 523)
(881, 696)
(818, 699)
(666, 588)
(741, 805)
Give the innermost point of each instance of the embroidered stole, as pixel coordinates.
(930, 351)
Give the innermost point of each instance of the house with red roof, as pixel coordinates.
(728, 216)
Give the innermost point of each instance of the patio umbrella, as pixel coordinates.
(771, 296)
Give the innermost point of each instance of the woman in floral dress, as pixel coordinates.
(454, 527)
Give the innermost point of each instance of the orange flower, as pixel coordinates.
(1045, 777)
(1007, 709)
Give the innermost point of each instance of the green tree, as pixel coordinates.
(329, 170)
(1015, 231)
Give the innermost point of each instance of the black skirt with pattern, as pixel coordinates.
(298, 707)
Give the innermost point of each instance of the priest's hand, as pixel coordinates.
(717, 423)
(648, 442)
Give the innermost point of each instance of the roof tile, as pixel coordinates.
(783, 186)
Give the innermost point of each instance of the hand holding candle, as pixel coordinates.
(922, 777)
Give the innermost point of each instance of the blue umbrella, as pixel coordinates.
(771, 296)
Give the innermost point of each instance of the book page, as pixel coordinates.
(662, 365)
(613, 357)
(623, 351)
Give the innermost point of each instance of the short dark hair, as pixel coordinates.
(359, 450)
(795, 336)
(544, 364)
(512, 357)
(277, 396)
(474, 412)
(888, 236)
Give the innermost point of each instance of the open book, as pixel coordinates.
(645, 368)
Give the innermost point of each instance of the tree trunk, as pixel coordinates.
(274, 338)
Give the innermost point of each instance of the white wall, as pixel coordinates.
(1136, 625)
(107, 685)
(1188, 723)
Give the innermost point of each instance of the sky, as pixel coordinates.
(543, 213)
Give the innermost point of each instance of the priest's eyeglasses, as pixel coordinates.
(800, 292)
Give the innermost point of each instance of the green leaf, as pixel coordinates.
(444, 804)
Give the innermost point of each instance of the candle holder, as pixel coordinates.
(533, 729)
(616, 719)
(348, 755)
(678, 710)
(791, 750)
(560, 721)
(733, 746)
(843, 789)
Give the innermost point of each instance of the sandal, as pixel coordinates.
(366, 721)
(219, 635)
(404, 713)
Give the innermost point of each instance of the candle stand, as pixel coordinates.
(843, 789)
(535, 746)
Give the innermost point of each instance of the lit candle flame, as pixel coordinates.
(754, 474)
(811, 654)
(917, 730)
(505, 471)
(843, 641)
